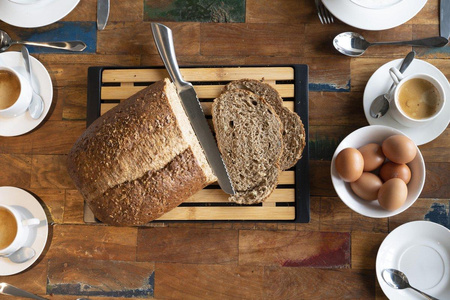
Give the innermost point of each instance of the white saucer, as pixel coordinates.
(380, 82)
(421, 250)
(34, 15)
(24, 123)
(380, 18)
(26, 204)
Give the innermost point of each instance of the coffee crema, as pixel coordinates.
(419, 98)
(9, 89)
(8, 228)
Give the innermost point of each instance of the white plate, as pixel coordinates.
(380, 82)
(24, 123)
(374, 19)
(29, 207)
(421, 250)
(34, 15)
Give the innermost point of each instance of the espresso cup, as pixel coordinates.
(417, 98)
(15, 93)
(14, 230)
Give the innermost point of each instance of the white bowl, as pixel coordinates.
(376, 134)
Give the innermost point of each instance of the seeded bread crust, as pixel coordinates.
(293, 130)
(140, 159)
(248, 133)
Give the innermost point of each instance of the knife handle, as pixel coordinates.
(164, 42)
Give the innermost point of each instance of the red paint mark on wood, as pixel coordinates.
(327, 258)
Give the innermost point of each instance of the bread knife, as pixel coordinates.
(102, 13)
(164, 42)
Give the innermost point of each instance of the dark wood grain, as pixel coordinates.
(184, 245)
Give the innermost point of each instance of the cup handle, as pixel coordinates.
(31, 222)
(396, 75)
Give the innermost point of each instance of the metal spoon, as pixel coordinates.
(37, 104)
(22, 255)
(398, 280)
(6, 42)
(354, 44)
(380, 105)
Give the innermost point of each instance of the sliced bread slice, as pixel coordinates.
(293, 130)
(248, 133)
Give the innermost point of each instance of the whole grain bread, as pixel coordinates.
(139, 160)
(248, 133)
(293, 130)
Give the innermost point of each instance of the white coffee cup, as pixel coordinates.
(14, 230)
(396, 110)
(23, 99)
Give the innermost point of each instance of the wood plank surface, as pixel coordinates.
(331, 257)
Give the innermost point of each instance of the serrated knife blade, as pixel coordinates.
(164, 42)
(444, 18)
(102, 13)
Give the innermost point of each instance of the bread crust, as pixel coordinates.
(133, 163)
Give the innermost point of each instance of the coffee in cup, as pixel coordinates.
(15, 93)
(417, 98)
(14, 229)
(8, 228)
(9, 88)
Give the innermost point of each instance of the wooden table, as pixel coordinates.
(332, 257)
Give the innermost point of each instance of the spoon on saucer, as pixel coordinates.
(354, 44)
(36, 106)
(22, 255)
(380, 105)
(398, 280)
(6, 42)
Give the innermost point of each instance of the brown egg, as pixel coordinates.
(373, 156)
(392, 170)
(392, 194)
(399, 149)
(367, 186)
(349, 164)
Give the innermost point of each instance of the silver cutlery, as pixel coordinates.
(380, 105)
(444, 18)
(9, 290)
(398, 280)
(102, 13)
(354, 44)
(6, 42)
(37, 104)
(324, 14)
(22, 255)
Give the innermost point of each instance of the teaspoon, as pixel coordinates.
(6, 42)
(354, 44)
(37, 104)
(22, 255)
(398, 280)
(380, 105)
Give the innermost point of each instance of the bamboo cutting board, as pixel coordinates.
(107, 86)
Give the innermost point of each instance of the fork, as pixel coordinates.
(324, 15)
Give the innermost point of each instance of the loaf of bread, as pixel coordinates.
(248, 133)
(139, 160)
(293, 130)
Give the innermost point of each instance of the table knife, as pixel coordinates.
(164, 42)
(444, 18)
(102, 13)
(9, 290)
